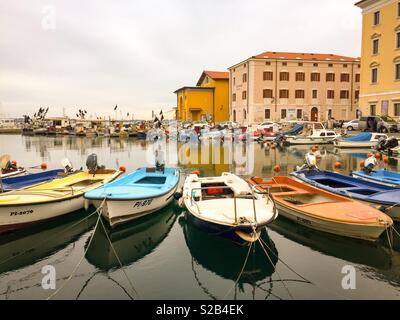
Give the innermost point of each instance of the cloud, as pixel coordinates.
(136, 53)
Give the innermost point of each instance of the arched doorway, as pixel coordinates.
(314, 114)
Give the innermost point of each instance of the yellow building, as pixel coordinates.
(380, 58)
(207, 101)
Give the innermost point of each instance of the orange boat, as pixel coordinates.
(322, 210)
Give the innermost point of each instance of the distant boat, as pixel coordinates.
(324, 211)
(379, 196)
(362, 140)
(20, 182)
(227, 206)
(140, 193)
(384, 177)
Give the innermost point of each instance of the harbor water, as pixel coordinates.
(164, 257)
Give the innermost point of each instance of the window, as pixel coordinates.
(244, 66)
(268, 63)
(234, 97)
(315, 94)
(398, 9)
(330, 77)
(372, 110)
(244, 77)
(344, 94)
(396, 109)
(398, 40)
(377, 17)
(284, 94)
(300, 76)
(234, 115)
(299, 94)
(345, 65)
(244, 95)
(300, 64)
(234, 80)
(357, 94)
(315, 64)
(284, 76)
(330, 65)
(268, 75)
(330, 114)
(315, 76)
(345, 77)
(374, 75)
(357, 77)
(284, 63)
(267, 114)
(375, 46)
(244, 114)
(283, 114)
(331, 94)
(267, 93)
(299, 113)
(397, 71)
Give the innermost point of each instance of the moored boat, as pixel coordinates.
(324, 211)
(227, 206)
(49, 200)
(20, 182)
(140, 193)
(322, 136)
(379, 196)
(384, 177)
(362, 140)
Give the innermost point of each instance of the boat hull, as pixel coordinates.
(121, 211)
(358, 231)
(12, 173)
(384, 183)
(296, 141)
(18, 217)
(358, 144)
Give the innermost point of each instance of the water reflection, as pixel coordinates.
(132, 242)
(226, 259)
(26, 247)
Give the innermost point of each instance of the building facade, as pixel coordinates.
(380, 57)
(207, 101)
(282, 86)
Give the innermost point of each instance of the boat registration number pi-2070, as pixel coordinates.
(142, 203)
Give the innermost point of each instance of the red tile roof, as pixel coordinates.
(216, 75)
(305, 56)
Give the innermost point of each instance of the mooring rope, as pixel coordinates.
(77, 266)
(119, 260)
(240, 273)
(273, 266)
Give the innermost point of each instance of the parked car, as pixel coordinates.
(351, 125)
(229, 124)
(378, 123)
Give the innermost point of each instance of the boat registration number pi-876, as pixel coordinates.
(20, 213)
(142, 203)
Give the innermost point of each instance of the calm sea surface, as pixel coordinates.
(165, 257)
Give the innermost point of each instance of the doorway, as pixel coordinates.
(314, 114)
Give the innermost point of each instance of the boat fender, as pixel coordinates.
(177, 195)
(86, 204)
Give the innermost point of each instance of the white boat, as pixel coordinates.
(362, 140)
(138, 194)
(312, 133)
(227, 206)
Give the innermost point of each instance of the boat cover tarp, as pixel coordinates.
(366, 136)
(295, 130)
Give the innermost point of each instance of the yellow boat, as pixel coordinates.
(50, 200)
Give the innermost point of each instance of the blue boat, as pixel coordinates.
(383, 197)
(28, 180)
(137, 194)
(295, 130)
(384, 177)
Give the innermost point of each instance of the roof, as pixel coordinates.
(195, 88)
(361, 3)
(216, 75)
(305, 56)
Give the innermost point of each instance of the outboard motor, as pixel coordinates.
(380, 146)
(68, 168)
(311, 162)
(92, 164)
(369, 165)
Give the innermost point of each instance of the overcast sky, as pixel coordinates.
(95, 54)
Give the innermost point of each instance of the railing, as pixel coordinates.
(235, 197)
